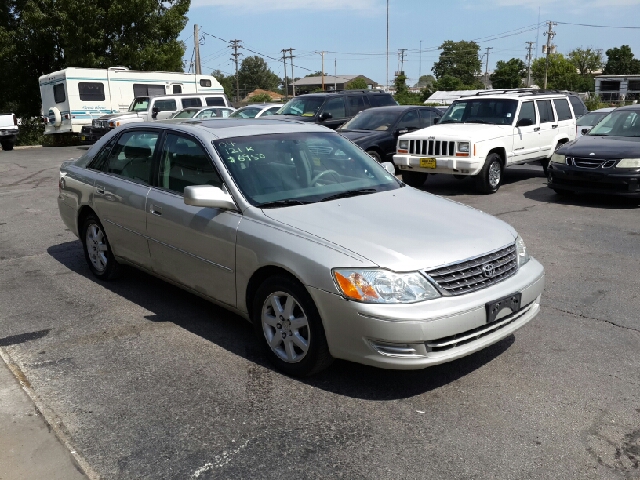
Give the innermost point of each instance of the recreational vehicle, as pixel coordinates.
(73, 97)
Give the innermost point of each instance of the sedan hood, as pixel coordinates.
(467, 131)
(603, 147)
(402, 230)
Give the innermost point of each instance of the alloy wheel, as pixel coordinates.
(97, 247)
(285, 327)
(495, 172)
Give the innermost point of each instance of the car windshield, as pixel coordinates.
(247, 112)
(590, 119)
(139, 104)
(185, 114)
(302, 106)
(294, 168)
(619, 123)
(371, 120)
(485, 110)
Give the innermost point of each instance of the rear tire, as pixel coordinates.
(414, 179)
(375, 155)
(97, 250)
(545, 165)
(289, 327)
(490, 177)
(7, 146)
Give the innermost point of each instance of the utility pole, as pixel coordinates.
(196, 39)
(548, 48)
(486, 70)
(529, 57)
(284, 62)
(401, 55)
(335, 74)
(236, 44)
(387, 86)
(420, 64)
(322, 53)
(291, 57)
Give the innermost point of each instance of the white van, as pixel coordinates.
(74, 97)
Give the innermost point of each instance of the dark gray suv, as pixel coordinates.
(333, 109)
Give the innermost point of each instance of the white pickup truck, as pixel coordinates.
(481, 135)
(8, 130)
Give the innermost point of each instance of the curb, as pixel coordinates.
(49, 417)
(24, 147)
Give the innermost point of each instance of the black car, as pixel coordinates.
(376, 130)
(606, 160)
(335, 108)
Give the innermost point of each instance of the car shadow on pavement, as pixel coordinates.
(606, 202)
(231, 332)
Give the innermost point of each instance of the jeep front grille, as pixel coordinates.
(476, 273)
(439, 148)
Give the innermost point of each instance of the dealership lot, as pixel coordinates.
(145, 380)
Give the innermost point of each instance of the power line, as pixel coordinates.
(595, 26)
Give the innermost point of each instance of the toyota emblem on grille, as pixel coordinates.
(488, 270)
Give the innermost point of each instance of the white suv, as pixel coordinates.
(480, 135)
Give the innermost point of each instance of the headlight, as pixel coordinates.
(404, 144)
(629, 163)
(557, 158)
(521, 251)
(463, 147)
(383, 286)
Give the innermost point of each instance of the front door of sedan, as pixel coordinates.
(194, 246)
(123, 180)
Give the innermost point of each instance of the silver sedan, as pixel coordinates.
(299, 231)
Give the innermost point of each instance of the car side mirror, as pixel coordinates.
(402, 131)
(585, 131)
(436, 120)
(389, 167)
(524, 122)
(208, 196)
(325, 116)
(154, 112)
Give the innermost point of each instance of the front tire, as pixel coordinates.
(289, 327)
(97, 250)
(375, 155)
(490, 177)
(414, 179)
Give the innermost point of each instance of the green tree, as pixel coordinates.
(459, 60)
(620, 61)
(508, 74)
(586, 60)
(42, 36)
(228, 82)
(425, 81)
(561, 74)
(403, 96)
(357, 83)
(255, 73)
(261, 98)
(315, 74)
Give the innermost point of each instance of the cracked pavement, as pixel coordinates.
(147, 381)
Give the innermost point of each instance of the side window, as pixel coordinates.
(215, 102)
(335, 106)
(205, 82)
(272, 111)
(191, 102)
(546, 112)
(58, 93)
(527, 111)
(91, 91)
(206, 114)
(165, 105)
(132, 156)
(144, 90)
(99, 162)
(562, 109)
(177, 88)
(426, 117)
(579, 108)
(381, 100)
(356, 104)
(183, 163)
(410, 120)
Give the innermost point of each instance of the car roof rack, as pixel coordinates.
(523, 92)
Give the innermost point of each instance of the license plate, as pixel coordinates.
(509, 304)
(428, 162)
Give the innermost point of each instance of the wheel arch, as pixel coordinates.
(83, 213)
(502, 153)
(259, 276)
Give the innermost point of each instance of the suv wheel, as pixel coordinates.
(490, 177)
(414, 179)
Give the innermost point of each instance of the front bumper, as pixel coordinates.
(9, 135)
(90, 135)
(603, 181)
(450, 165)
(427, 333)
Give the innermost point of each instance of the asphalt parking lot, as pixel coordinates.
(144, 380)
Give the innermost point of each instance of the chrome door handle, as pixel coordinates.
(155, 210)
(100, 189)
(554, 126)
(537, 129)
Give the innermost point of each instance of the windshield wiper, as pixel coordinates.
(350, 193)
(477, 121)
(282, 203)
(447, 121)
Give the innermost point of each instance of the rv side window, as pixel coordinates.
(142, 90)
(191, 102)
(58, 93)
(215, 102)
(91, 91)
(205, 82)
(165, 105)
(177, 88)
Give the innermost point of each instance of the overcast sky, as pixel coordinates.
(353, 32)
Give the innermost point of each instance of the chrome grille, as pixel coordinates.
(471, 275)
(440, 148)
(591, 163)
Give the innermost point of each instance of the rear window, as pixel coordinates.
(91, 91)
(382, 100)
(215, 102)
(562, 109)
(58, 93)
(191, 102)
(579, 108)
(165, 105)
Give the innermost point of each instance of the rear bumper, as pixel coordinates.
(603, 181)
(451, 165)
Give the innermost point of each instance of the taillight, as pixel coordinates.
(15, 120)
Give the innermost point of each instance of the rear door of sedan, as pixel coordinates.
(194, 246)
